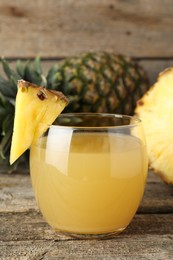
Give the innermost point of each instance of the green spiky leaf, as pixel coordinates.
(20, 68)
(8, 71)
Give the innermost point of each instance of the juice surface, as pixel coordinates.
(88, 183)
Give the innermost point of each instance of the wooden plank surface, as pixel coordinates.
(25, 235)
(122, 247)
(30, 225)
(66, 27)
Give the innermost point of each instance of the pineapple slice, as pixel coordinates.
(36, 109)
(155, 109)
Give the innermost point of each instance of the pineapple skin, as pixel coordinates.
(155, 109)
(99, 82)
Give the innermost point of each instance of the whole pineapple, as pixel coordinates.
(155, 109)
(94, 82)
(99, 82)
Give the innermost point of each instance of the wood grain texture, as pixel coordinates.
(126, 248)
(66, 27)
(30, 225)
(123, 247)
(27, 236)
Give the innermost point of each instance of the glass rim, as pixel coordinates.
(133, 120)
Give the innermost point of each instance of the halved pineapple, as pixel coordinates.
(155, 109)
(36, 109)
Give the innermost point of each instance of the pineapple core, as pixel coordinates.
(36, 109)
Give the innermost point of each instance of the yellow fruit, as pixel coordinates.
(155, 109)
(36, 108)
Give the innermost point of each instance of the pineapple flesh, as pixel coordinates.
(36, 109)
(155, 109)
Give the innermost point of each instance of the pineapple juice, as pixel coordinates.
(88, 183)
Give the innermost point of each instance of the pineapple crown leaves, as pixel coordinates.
(31, 71)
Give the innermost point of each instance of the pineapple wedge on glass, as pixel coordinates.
(36, 108)
(155, 109)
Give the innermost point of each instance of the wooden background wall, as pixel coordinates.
(59, 28)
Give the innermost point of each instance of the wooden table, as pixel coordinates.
(25, 235)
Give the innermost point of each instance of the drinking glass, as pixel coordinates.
(89, 172)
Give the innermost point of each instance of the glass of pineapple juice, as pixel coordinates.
(89, 172)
